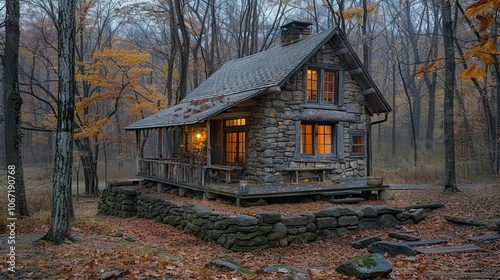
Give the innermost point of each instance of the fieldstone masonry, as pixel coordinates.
(273, 139)
(247, 233)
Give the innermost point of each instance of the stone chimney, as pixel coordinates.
(294, 31)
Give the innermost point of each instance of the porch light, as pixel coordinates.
(198, 136)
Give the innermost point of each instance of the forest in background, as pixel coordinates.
(135, 58)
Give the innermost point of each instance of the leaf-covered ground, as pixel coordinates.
(157, 251)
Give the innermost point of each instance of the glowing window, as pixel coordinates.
(316, 139)
(321, 86)
(312, 86)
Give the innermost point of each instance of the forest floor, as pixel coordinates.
(158, 251)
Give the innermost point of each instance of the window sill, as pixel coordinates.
(323, 106)
(358, 155)
(316, 159)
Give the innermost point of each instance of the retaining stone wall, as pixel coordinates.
(247, 233)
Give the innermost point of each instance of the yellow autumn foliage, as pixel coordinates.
(116, 78)
(473, 71)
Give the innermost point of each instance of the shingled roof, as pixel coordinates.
(244, 78)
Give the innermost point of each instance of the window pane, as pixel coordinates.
(235, 122)
(231, 147)
(235, 147)
(312, 86)
(358, 144)
(328, 87)
(241, 147)
(306, 145)
(325, 139)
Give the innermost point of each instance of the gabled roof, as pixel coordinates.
(244, 78)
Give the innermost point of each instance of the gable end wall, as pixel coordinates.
(272, 130)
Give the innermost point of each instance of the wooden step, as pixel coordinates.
(348, 200)
(339, 193)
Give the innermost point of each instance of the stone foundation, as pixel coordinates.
(247, 233)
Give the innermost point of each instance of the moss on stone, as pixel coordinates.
(367, 260)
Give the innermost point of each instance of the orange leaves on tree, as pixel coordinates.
(485, 51)
(473, 71)
(429, 68)
(484, 21)
(480, 7)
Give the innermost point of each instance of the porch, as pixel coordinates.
(201, 179)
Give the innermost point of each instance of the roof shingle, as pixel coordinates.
(239, 80)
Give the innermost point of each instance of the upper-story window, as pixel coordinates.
(322, 86)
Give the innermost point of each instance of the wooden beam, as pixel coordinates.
(342, 51)
(233, 115)
(356, 71)
(368, 91)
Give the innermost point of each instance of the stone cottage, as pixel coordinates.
(299, 112)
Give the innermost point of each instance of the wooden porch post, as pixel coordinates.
(137, 150)
(160, 143)
(209, 144)
(191, 146)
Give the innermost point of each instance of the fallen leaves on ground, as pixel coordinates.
(161, 251)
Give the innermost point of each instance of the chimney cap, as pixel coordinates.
(296, 24)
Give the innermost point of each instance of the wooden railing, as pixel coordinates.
(184, 173)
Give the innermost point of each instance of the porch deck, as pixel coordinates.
(357, 187)
(199, 178)
(265, 191)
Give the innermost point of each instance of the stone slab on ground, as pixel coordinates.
(366, 267)
(277, 270)
(451, 249)
(425, 206)
(404, 236)
(460, 275)
(365, 242)
(392, 249)
(424, 242)
(232, 265)
(487, 237)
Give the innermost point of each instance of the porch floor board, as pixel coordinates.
(256, 191)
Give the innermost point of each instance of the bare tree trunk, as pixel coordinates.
(185, 49)
(431, 85)
(60, 225)
(12, 104)
(450, 184)
(89, 163)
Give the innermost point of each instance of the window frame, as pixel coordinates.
(354, 134)
(235, 129)
(315, 145)
(320, 82)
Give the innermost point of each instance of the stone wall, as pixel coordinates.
(247, 233)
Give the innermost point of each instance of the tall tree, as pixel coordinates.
(12, 102)
(450, 184)
(60, 226)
